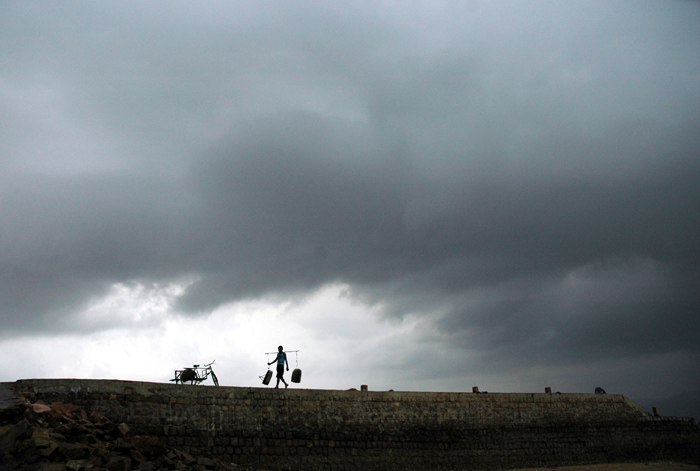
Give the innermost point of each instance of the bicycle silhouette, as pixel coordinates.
(195, 375)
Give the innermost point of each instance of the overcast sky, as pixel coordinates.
(416, 195)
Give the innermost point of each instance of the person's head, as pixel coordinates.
(280, 348)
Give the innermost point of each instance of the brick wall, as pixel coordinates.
(332, 430)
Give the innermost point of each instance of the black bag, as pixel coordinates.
(268, 377)
(296, 376)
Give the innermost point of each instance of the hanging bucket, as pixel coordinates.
(296, 376)
(267, 378)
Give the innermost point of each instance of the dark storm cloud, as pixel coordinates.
(527, 176)
(573, 264)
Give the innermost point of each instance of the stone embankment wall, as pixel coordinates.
(328, 430)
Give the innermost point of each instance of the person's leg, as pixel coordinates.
(280, 372)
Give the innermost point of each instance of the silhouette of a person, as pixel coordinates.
(281, 360)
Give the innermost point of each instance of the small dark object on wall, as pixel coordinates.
(599, 390)
(187, 374)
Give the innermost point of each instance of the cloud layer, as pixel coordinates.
(522, 179)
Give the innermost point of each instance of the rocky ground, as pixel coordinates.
(63, 437)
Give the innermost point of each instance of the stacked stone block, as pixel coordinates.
(342, 430)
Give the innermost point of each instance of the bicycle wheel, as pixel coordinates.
(216, 380)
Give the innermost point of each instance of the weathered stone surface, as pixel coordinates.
(310, 430)
(13, 434)
(123, 428)
(40, 408)
(119, 463)
(84, 442)
(47, 466)
(77, 465)
(74, 451)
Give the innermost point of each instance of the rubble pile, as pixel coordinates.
(62, 437)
